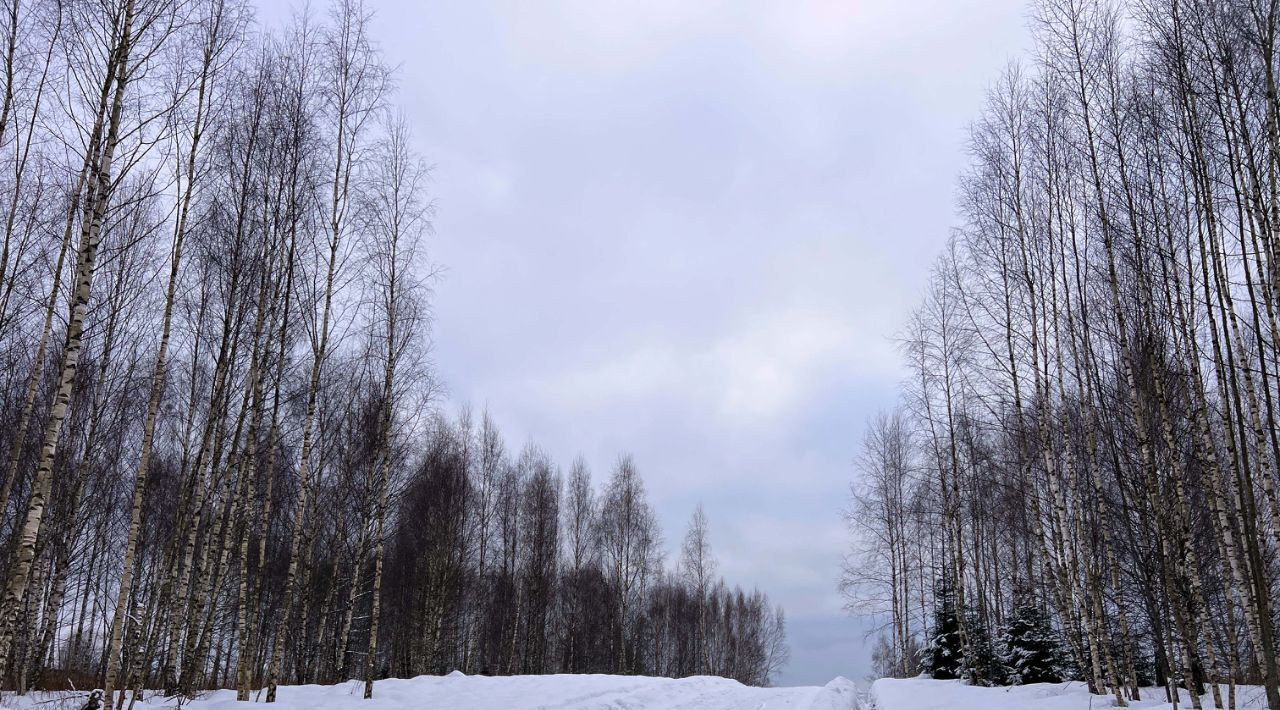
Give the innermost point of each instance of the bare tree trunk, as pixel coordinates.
(159, 373)
(98, 189)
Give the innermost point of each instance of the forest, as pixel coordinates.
(1080, 479)
(226, 462)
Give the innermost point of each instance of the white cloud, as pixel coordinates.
(812, 39)
(760, 375)
(802, 553)
(768, 370)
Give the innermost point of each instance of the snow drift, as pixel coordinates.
(929, 694)
(548, 692)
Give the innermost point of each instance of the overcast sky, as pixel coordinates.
(690, 230)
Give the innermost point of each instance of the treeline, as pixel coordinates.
(1089, 427)
(502, 567)
(220, 466)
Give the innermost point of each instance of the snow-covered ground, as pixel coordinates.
(926, 694)
(551, 692)
(609, 692)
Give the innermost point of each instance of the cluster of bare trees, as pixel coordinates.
(219, 462)
(212, 286)
(498, 564)
(1091, 415)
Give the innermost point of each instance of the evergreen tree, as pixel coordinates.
(982, 665)
(1143, 661)
(944, 658)
(1033, 652)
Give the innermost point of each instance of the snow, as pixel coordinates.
(550, 692)
(929, 694)
(609, 692)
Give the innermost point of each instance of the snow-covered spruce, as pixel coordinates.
(1032, 650)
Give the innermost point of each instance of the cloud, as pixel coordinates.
(802, 553)
(761, 374)
(808, 39)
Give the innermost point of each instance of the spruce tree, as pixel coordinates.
(1033, 652)
(944, 659)
(982, 665)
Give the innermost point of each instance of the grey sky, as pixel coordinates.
(689, 230)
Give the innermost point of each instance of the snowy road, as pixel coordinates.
(552, 692)
(563, 692)
(608, 692)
